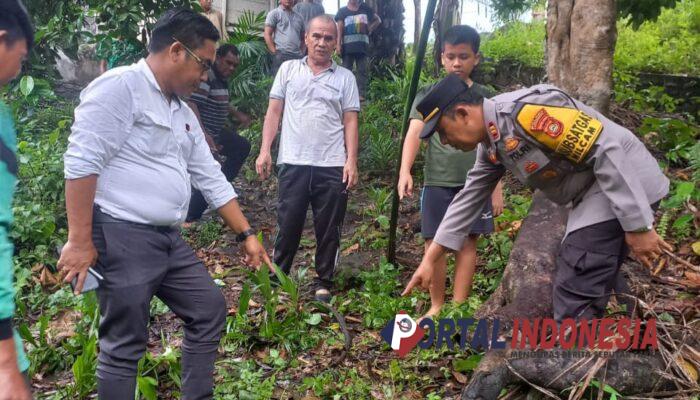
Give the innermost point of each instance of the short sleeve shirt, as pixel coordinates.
(356, 28)
(445, 165)
(312, 122)
(288, 26)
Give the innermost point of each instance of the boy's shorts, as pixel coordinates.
(434, 201)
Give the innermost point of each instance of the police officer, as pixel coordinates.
(572, 153)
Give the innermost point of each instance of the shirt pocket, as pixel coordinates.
(155, 135)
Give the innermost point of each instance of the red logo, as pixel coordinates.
(492, 156)
(545, 123)
(511, 143)
(493, 131)
(531, 166)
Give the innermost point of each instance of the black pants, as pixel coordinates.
(137, 263)
(361, 74)
(323, 188)
(588, 271)
(236, 149)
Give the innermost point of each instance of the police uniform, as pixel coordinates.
(578, 158)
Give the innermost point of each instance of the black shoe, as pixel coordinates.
(323, 295)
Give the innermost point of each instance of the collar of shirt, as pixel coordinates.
(145, 69)
(331, 68)
(490, 121)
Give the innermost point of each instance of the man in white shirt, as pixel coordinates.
(134, 151)
(318, 103)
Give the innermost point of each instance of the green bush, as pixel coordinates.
(668, 45)
(517, 41)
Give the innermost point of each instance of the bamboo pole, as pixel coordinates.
(413, 87)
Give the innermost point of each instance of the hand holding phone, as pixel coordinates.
(77, 259)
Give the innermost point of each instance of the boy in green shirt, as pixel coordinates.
(16, 37)
(445, 172)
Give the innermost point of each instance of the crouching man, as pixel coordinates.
(576, 156)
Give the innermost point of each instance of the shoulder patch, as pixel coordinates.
(567, 131)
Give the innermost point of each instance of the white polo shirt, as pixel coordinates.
(312, 123)
(146, 150)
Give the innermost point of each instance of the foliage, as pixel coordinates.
(668, 45)
(250, 83)
(630, 93)
(43, 124)
(674, 137)
(66, 24)
(518, 41)
(511, 10)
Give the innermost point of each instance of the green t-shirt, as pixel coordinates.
(445, 165)
(7, 188)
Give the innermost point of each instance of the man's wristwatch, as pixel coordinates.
(244, 235)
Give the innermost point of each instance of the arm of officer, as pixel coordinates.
(103, 122)
(462, 212)
(622, 187)
(469, 202)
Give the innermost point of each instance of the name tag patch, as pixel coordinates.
(567, 131)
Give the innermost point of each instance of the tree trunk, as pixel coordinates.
(416, 24)
(447, 15)
(581, 37)
(387, 39)
(525, 292)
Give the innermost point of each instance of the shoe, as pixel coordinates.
(323, 295)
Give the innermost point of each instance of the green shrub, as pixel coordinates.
(668, 45)
(517, 41)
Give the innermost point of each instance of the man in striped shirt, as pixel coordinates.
(211, 104)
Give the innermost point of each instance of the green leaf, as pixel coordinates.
(147, 387)
(314, 319)
(468, 364)
(243, 300)
(26, 85)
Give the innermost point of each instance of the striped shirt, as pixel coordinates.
(212, 101)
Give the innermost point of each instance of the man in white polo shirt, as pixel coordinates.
(319, 104)
(134, 150)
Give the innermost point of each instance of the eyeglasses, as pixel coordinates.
(204, 64)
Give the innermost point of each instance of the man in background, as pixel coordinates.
(318, 103)
(216, 18)
(355, 23)
(16, 38)
(284, 34)
(309, 10)
(210, 102)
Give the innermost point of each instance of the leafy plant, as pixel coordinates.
(674, 137)
(517, 41)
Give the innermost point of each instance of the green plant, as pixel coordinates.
(516, 41)
(244, 381)
(674, 137)
(379, 207)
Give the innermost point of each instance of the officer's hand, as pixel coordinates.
(350, 174)
(646, 246)
(421, 278)
(12, 382)
(75, 260)
(497, 203)
(255, 253)
(263, 165)
(405, 185)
